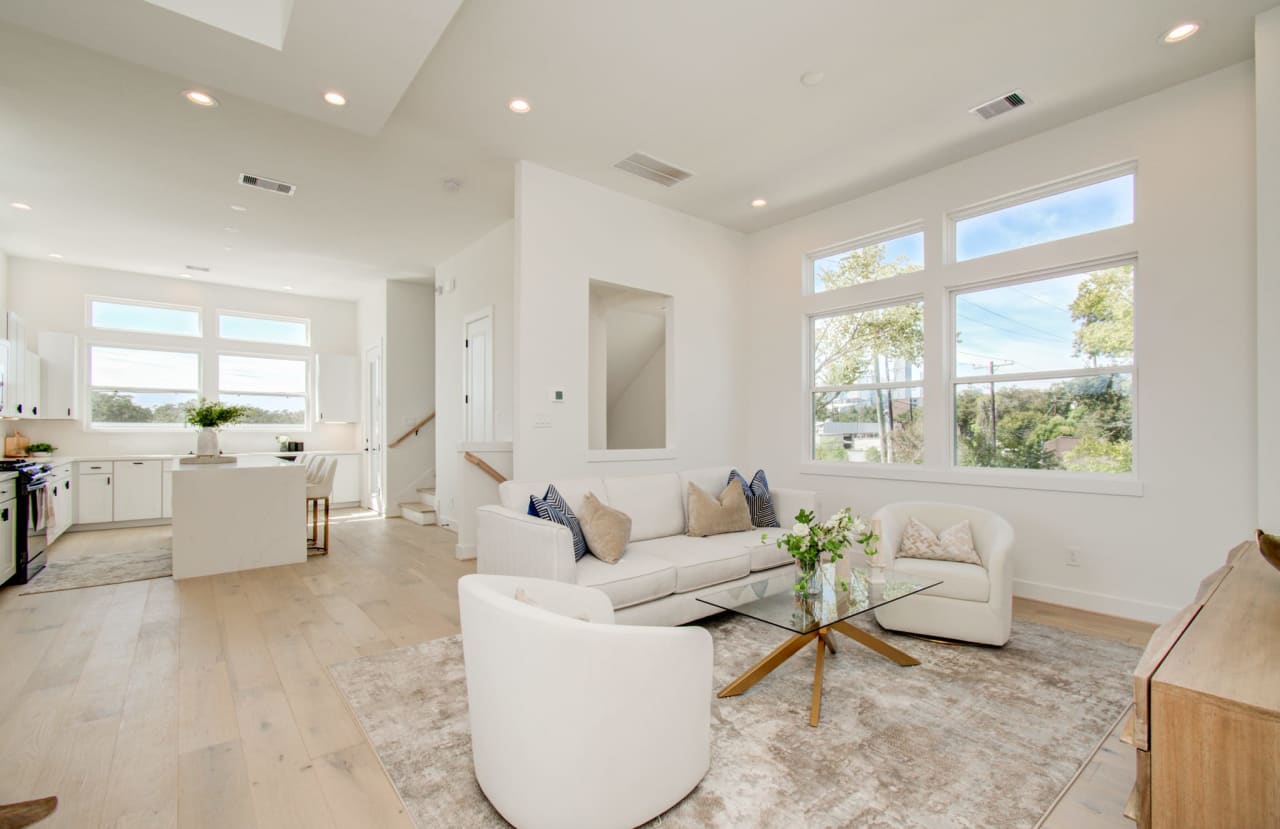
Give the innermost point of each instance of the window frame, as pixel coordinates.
(888, 235)
(89, 299)
(955, 379)
(89, 423)
(221, 312)
(306, 393)
(1028, 195)
(811, 378)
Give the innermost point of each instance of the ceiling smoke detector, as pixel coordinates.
(451, 185)
(999, 106)
(646, 166)
(268, 184)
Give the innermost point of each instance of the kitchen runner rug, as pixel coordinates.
(96, 569)
(972, 737)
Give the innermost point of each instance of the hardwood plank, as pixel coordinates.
(358, 790)
(206, 709)
(213, 788)
(322, 717)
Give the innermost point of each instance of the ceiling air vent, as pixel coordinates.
(267, 184)
(651, 168)
(200, 268)
(1000, 105)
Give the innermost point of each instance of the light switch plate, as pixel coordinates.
(542, 421)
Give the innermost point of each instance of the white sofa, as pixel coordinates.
(580, 724)
(663, 570)
(974, 603)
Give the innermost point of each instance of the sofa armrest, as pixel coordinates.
(509, 543)
(788, 502)
(997, 557)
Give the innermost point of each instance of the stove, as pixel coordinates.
(30, 535)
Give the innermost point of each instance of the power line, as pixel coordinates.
(1041, 331)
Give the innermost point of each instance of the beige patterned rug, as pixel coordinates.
(94, 570)
(973, 737)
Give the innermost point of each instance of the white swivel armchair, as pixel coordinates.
(580, 724)
(974, 603)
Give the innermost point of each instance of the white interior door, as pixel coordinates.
(374, 436)
(477, 392)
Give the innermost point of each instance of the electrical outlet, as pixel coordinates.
(1073, 556)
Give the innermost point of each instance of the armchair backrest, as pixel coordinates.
(990, 531)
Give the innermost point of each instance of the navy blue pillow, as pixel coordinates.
(553, 507)
(758, 498)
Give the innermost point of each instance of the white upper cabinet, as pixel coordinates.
(15, 404)
(60, 390)
(337, 388)
(32, 385)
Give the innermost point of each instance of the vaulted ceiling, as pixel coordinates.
(122, 172)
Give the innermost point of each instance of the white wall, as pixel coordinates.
(50, 296)
(636, 418)
(479, 277)
(569, 231)
(1142, 556)
(411, 392)
(1267, 70)
(4, 284)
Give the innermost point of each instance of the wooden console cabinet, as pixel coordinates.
(1207, 706)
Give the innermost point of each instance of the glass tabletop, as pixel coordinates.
(774, 600)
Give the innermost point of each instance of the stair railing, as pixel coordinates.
(413, 430)
(485, 467)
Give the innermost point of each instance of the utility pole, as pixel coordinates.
(991, 366)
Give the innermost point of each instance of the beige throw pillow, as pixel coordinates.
(712, 516)
(953, 544)
(606, 529)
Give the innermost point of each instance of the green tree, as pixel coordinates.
(117, 407)
(1103, 312)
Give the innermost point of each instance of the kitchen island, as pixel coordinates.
(238, 516)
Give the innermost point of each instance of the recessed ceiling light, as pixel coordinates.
(335, 98)
(226, 247)
(202, 99)
(286, 287)
(239, 208)
(812, 78)
(1180, 32)
(231, 229)
(758, 202)
(184, 276)
(519, 106)
(55, 256)
(451, 185)
(20, 205)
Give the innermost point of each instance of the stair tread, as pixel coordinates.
(428, 489)
(416, 506)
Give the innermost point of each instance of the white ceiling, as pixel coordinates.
(123, 173)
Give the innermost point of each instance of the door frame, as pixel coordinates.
(375, 426)
(475, 316)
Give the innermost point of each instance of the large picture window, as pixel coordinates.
(1043, 375)
(135, 388)
(865, 392)
(144, 317)
(273, 388)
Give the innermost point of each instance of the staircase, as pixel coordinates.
(422, 511)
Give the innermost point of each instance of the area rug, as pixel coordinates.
(972, 737)
(97, 569)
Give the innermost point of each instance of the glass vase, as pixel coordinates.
(808, 578)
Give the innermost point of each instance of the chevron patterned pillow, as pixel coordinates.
(553, 507)
(758, 498)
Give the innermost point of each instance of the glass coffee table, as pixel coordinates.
(773, 600)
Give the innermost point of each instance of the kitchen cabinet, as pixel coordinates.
(346, 480)
(137, 492)
(62, 506)
(166, 489)
(337, 388)
(8, 529)
(6, 394)
(93, 496)
(60, 387)
(16, 367)
(32, 382)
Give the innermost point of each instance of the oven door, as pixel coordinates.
(37, 518)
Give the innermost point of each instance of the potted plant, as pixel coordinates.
(210, 417)
(41, 450)
(810, 541)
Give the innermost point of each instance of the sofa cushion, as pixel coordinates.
(553, 507)
(710, 479)
(709, 515)
(634, 579)
(959, 581)
(758, 499)
(699, 562)
(515, 494)
(652, 501)
(605, 528)
(765, 555)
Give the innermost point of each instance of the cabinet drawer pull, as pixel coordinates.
(138, 463)
(4, 514)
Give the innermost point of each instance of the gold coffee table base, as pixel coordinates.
(826, 642)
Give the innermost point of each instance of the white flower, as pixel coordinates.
(800, 529)
(859, 526)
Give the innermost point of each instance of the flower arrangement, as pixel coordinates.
(215, 415)
(811, 540)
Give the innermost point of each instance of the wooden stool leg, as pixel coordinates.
(326, 524)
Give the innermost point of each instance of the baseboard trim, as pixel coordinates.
(1096, 602)
(464, 552)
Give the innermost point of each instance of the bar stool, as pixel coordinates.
(320, 488)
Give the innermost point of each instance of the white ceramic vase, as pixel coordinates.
(207, 441)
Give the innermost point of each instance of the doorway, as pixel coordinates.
(477, 375)
(374, 437)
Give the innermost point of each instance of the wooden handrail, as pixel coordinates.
(413, 430)
(485, 468)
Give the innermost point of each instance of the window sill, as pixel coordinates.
(1005, 478)
(623, 455)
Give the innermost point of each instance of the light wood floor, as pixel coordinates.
(206, 703)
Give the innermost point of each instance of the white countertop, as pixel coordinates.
(58, 460)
